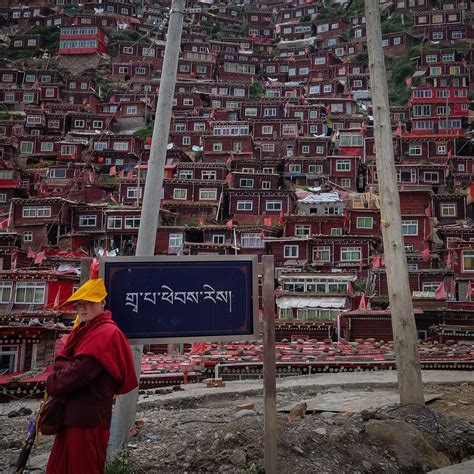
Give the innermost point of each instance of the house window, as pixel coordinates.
(67, 150)
(5, 291)
(251, 240)
(409, 227)
(322, 253)
(53, 123)
(180, 194)
(132, 110)
(315, 169)
(208, 175)
(266, 184)
(49, 92)
(415, 150)
(208, 194)
(441, 149)
(97, 124)
(294, 168)
(26, 148)
(244, 205)
(336, 231)
(351, 254)
(79, 123)
(120, 146)
(431, 176)
(468, 261)
(267, 130)
(32, 211)
(273, 206)
(131, 222)
(175, 241)
(186, 174)
(268, 147)
(448, 210)
(28, 97)
(188, 101)
(57, 173)
(422, 110)
(237, 147)
(305, 149)
(302, 230)
(246, 183)
(365, 223)
(327, 88)
(186, 140)
(218, 239)
(269, 112)
(114, 222)
(30, 293)
(28, 236)
(290, 251)
(87, 221)
(99, 146)
(217, 146)
(133, 193)
(250, 112)
(343, 165)
(47, 146)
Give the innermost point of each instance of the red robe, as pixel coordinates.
(95, 363)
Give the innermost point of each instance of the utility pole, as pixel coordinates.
(405, 338)
(126, 405)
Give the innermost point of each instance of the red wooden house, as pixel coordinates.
(218, 148)
(82, 40)
(253, 206)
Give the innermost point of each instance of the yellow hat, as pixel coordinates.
(91, 290)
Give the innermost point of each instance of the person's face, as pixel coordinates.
(88, 310)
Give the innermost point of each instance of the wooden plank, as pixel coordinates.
(269, 367)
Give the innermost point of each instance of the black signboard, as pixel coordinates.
(183, 299)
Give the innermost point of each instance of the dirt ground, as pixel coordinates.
(206, 434)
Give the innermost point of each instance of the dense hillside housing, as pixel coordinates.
(271, 151)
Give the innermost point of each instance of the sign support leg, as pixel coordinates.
(269, 368)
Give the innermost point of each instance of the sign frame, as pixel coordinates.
(188, 259)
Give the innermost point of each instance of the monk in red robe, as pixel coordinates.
(95, 364)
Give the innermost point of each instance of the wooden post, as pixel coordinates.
(403, 321)
(269, 369)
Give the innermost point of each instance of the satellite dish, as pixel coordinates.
(197, 148)
(170, 146)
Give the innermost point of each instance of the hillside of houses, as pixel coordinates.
(271, 151)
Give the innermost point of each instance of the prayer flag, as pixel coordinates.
(426, 254)
(230, 224)
(40, 257)
(440, 292)
(362, 304)
(469, 289)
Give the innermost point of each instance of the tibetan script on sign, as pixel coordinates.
(168, 295)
